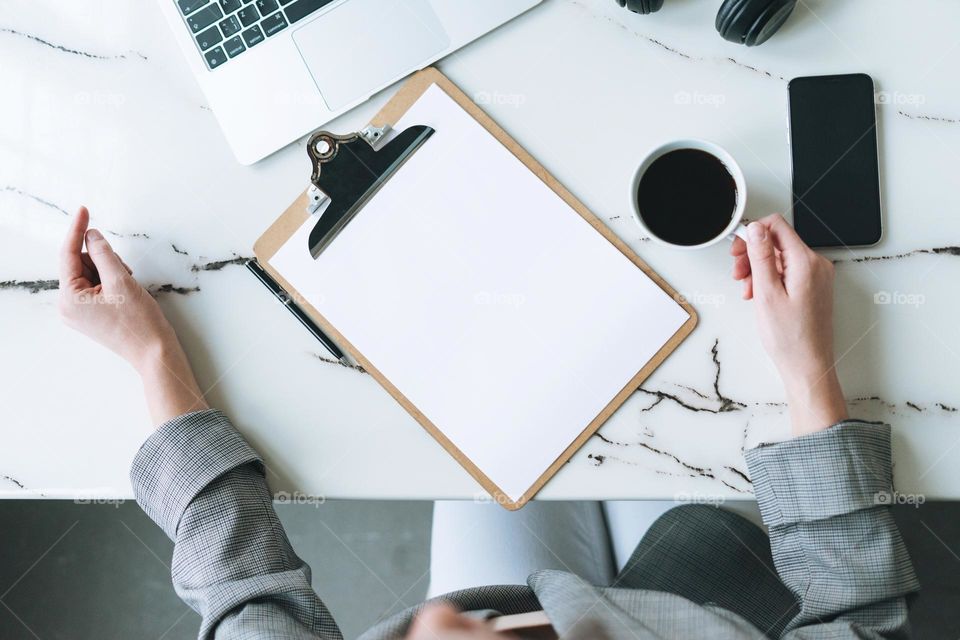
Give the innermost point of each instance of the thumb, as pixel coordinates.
(763, 261)
(109, 265)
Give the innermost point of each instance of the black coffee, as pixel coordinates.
(687, 197)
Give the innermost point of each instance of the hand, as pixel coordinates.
(100, 298)
(442, 622)
(792, 291)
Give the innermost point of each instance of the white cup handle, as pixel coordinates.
(739, 232)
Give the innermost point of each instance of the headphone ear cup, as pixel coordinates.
(769, 22)
(736, 16)
(641, 6)
(723, 16)
(752, 22)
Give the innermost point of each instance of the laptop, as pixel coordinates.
(274, 70)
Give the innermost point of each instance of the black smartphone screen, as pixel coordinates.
(836, 175)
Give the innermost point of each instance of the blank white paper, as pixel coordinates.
(494, 307)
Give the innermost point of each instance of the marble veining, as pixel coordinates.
(36, 198)
(13, 481)
(936, 251)
(928, 118)
(71, 51)
(339, 363)
(33, 286)
(668, 48)
(615, 21)
(107, 115)
(217, 265)
(54, 206)
(697, 401)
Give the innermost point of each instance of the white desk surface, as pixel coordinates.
(99, 109)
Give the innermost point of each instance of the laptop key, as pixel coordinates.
(229, 6)
(253, 36)
(229, 26)
(215, 57)
(302, 8)
(209, 38)
(234, 46)
(248, 15)
(285, 2)
(273, 24)
(204, 18)
(266, 7)
(189, 6)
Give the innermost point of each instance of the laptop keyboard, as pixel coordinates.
(223, 29)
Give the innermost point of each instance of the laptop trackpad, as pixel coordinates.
(363, 45)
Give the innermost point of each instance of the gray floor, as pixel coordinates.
(70, 571)
(75, 572)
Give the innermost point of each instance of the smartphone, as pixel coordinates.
(836, 168)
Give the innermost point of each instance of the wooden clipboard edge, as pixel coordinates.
(293, 218)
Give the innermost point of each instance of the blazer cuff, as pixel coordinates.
(182, 457)
(842, 469)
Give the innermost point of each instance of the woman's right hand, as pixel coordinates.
(100, 298)
(792, 292)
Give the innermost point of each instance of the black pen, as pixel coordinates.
(297, 312)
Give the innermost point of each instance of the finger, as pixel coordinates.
(71, 266)
(108, 263)
(748, 288)
(763, 261)
(89, 269)
(124, 263)
(784, 236)
(436, 619)
(738, 247)
(741, 267)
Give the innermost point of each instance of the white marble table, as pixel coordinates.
(98, 108)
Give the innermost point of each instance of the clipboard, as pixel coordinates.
(277, 235)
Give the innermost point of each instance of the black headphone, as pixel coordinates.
(749, 22)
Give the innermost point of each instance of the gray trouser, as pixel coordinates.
(481, 543)
(702, 553)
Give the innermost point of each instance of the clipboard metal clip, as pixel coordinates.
(355, 166)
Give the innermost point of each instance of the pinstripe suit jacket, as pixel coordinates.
(837, 550)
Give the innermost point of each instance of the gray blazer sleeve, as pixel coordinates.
(835, 544)
(204, 485)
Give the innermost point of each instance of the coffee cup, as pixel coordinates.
(689, 194)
